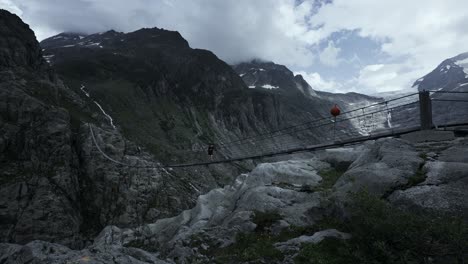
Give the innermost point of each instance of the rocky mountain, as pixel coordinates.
(171, 99)
(449, 76)
(268, 75)
(149, 99)
(278, 79)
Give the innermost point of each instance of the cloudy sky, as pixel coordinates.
(366, 46)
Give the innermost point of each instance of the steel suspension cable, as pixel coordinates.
(314, 121)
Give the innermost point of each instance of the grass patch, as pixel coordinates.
(423, 156)
(142, 245)
(255, 247)
(329, 251)
(329, 178)
(418, 177)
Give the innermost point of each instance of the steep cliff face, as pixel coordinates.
(18, 45)
(39, 185)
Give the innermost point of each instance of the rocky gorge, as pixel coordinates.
(147, 99)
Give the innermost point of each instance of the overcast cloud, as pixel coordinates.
(397, 41)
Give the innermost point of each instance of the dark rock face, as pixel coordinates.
(38, 181)
(18, 45)
(39, 185)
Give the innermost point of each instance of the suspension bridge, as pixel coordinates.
(413, 112)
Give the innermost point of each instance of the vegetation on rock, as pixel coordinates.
(385, 234)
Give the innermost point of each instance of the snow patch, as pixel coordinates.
(48, 57)
(58, 37)
(68, 46)
(242, 74)
(251, 86)
(463, 64)
(269, 86)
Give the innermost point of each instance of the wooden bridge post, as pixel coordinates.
(425, 107)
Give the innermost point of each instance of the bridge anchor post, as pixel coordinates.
(425, 109)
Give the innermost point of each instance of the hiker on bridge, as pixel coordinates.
(211, 149)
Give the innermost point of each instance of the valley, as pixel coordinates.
(89, 125)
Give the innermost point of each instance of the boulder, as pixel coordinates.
(295, 243)
(381, 167)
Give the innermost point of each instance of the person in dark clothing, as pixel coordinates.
(211, 149)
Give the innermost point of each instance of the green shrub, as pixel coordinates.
(264, 220)
(329, 251)
(384, 234)
(252, 247)
(418, 177)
